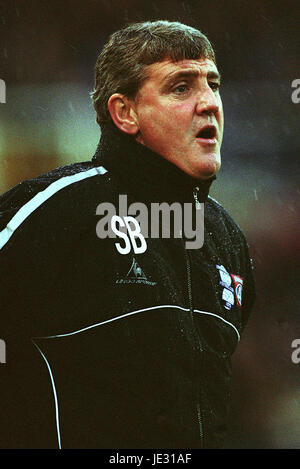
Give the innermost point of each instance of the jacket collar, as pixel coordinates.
(144, 172)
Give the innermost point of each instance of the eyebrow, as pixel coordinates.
(169, 79)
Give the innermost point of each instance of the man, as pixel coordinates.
(112, 348)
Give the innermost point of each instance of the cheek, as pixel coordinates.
(221, 114)
(165, 122)
(152, 128)
(154, 121)
(221, 128)
(177, 117)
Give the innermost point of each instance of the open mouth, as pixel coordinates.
(208, 132)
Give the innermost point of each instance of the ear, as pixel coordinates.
(123, 113)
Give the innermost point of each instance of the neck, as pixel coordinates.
(146, 171)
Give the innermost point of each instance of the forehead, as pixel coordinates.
(167, 69)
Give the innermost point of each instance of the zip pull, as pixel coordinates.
(195, 195)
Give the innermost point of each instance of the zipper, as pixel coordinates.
(195, 195)
(189, 282)
(198, 391)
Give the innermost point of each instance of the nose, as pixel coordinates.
(208, 103)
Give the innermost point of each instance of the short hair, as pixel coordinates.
(122, 64)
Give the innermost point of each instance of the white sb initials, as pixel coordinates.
(134, 233)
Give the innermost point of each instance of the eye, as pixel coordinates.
(215, 86)
(180, 89)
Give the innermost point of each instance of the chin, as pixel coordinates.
(207, 170)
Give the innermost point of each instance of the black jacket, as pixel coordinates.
(105, 350)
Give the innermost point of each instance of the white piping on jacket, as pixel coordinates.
(100, 324)
(27, 209)
(54, 393)
(136, 312)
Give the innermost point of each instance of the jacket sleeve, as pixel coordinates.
(30, 256)
(13, 266)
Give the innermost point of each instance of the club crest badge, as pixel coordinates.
(238, 288)
(232, 288)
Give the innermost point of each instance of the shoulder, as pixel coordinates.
(47, 194)
(56, 179)
(233, 248)
(226, 235)
(219, 220)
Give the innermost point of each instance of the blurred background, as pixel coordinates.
(47, 56)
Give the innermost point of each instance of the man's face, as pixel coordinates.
(180, 116)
